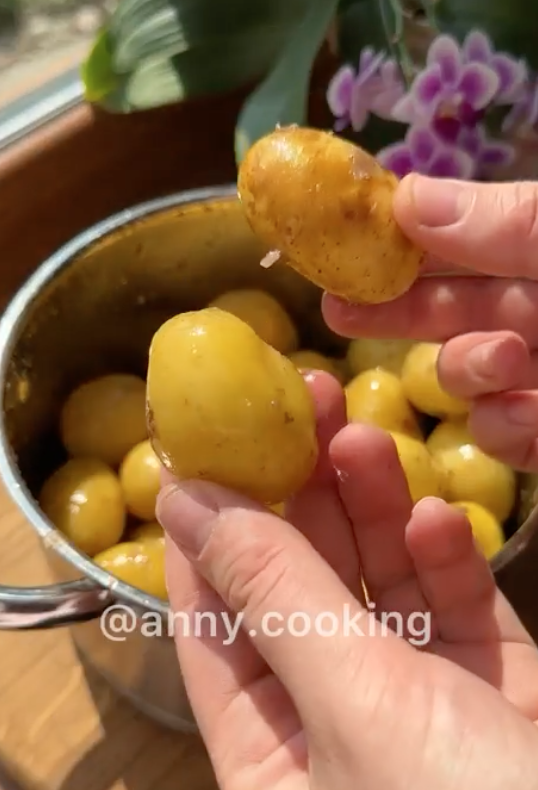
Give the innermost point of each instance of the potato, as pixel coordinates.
(104, 418)
(150, 530)
(423, 475)
(264, 314)
(326, 205)
(83, 499)
(312, 360)
(366, 353)
(376, 397)
(140, 478)
(488, 532)
(224, 406)
(139, 564)
(421, 383)
(471, 475)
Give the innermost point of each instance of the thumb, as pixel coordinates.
(490, 228)
(293, 605)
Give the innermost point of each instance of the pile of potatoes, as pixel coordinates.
(103, 497)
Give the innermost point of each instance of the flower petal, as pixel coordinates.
(359, 111)
(396, 157)
(370, 67)
(471, 140)
(447, 127)
(497, 154)
(478, 85)
(512, 75)
(404, 110)
(366, 57)
(444, 53)
(391, 75)
(382, 103)
(452, 163)
(339, 91)
(427, 89)
(477, 47)
(422, 143)
(532, 118)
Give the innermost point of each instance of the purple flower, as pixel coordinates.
(424, 152)
(486, 153)
(450, 92)
(376, 87)
(524, 114)
(512, 73)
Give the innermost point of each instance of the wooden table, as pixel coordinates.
(60, 728)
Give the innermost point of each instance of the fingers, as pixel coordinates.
(506, 427)
(490, 228)
(439, 308)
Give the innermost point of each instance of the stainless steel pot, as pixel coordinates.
(92, 308)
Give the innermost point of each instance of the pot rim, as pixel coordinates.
(10, 322)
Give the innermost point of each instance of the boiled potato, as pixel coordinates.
(84, 500)
(140, 478)
(140, 564)
(365, 353)
(471, 475)
(421, 383)
(264, 314)
(224, 406)
(104, 418)
(327, 206)
(423, 476)
(488, 532)
(376, 397)
(279, 509)
(150, 530)
(313, 360)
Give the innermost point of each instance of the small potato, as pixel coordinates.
(421, 383)
(312, 360)
(140, 478)
(423, 476)
(262, 312)
(327, 206)
(226, 407)
(366, 354)
(470, 474)
(139, 564)
(151, 530)
(83, 499)
(104, 418)
(487, 530)
(376, 397)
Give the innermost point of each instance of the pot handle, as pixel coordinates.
(51, 606)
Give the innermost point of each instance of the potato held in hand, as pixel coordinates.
(226, 407)
(327, 206)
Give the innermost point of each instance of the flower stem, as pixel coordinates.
(429, 11)
(394, 32)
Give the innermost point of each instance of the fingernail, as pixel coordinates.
(481, 359)
(440, 203)
(187, 513)
(521, 411)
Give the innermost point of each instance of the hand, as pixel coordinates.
(489, 325)
(347, 712)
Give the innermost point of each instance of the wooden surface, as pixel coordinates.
(60, 727)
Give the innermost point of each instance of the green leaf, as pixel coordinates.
(282, 98)
(97, 72)
(511, 24)
(360, 25)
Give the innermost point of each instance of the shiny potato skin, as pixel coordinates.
(327, 206)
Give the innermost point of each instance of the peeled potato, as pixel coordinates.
(471, 475)
(327, 206)
(139, 564)
(376, 397)
(140, 478)
(313, 360)
(83, 499)
(365, 353)
(104, 418)
(264, 314)
(487, 530)
(423, 476)
(224, 406)
(150, 530)
(279, 509)
(421, 383)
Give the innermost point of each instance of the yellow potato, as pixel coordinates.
(421, 383)
(470, 474)
(140, 478)
(423, 476)
(279, 509)
(326, 205)
(487, 530)
(376, 397)
(365, 354)
(140, 564)
(264, 314)
(104, 418)
(224, 406)
(83, 499)
(151, 530)
(313, 360)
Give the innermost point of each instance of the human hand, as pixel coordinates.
(488, 325)
(341, 712)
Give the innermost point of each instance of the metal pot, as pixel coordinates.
(90, 309)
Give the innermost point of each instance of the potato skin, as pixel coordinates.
(226, 407)
(327, 206)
